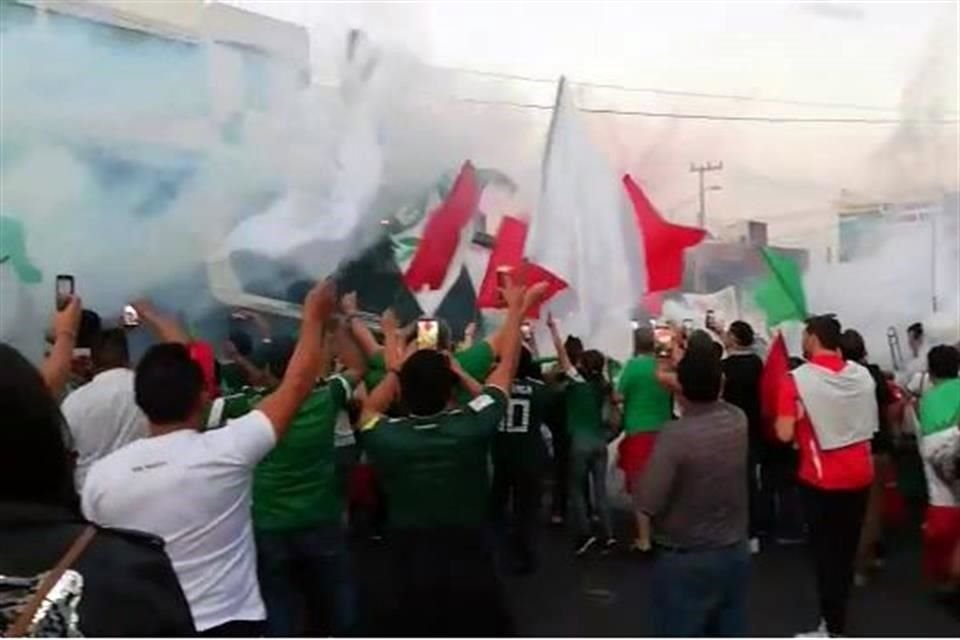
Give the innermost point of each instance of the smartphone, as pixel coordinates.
(130, 316)
(428, 333)
(526, 331)
(663, 342)
(64, 289)
(709, 319)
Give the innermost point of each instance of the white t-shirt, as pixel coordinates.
(194, 490)
(102, 417)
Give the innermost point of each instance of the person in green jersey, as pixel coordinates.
(433, 464)
(647, 405)
(298, 507)
(940, 430)
(475, 360)
(588, 397)
(519, 454)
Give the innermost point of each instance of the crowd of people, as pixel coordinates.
(189, 495)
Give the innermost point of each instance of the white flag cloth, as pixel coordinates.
(723, 303)
(584, 232)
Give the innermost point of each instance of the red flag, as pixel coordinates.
(441, 236)
(775, 371)
(653, 303)
(508, 252)
(663, 242)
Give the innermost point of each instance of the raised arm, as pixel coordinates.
(519, 301)
(256, 376)
(305, 364)
(468, 382)
(166, 328)
(562, 358)
(56, 367)
(380, 398)
(361, 332)
(350, 355)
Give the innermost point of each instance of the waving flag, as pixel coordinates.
(775, 370)
(663, 242)
(508, 252)
(443, 233)
(781, 294)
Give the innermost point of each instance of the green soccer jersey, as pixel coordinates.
(434, 469)
(294, 486)
(477, 361)
(519, 440)
(647, 404)
(584, 403)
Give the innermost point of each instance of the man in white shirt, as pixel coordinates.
(102, 415)
(193, 488)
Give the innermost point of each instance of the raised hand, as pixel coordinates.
(67, 320)
(348, 303)
(320, 303)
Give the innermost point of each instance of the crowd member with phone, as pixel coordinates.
(647, 402)
(586, 395)
(433, 463)
(102, 415)
(197, 485)
(121, 583)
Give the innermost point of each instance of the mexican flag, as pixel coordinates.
(780, 294)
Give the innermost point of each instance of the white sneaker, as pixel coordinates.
(820, 632)
(754, 546)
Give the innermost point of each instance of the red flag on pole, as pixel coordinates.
(508, 253)
(663, 242)
(775, 371)
(441, 236)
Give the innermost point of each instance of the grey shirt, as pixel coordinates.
(695, 485)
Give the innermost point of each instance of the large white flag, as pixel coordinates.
(584, 232)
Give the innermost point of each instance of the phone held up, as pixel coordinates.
(64, 290)
(663, 341)
(130, 317)
(428, 333)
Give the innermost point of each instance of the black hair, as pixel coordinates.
(943, 362)
(278, 353)
(242, 341)
(700, 339)
(426, 382)
(700, 375)
(852, 346)
(915, 330)
(826, 329)
(35, 464)
(574, 348)
(168, 383)
(89, 329)
(110, 349)
(643, 340)
(526, 367)
(742, 332)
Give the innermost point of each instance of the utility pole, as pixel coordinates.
(702, 169)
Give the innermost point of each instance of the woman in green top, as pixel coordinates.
(588, 396)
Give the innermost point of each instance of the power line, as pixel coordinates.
(674, 92)
(716, 117)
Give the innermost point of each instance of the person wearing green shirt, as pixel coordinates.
(588, 398)
(647, 406)
(298, 507)
(940, 429)
(519, 454)
(433, 465)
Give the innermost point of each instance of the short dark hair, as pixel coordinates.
(852, 346)
(34, 461)
(89, 329)
(526, 367)
(592, 363)
(110, 349)
(826, 329)
(915, 330)
(426, 382)
(943, 362)
(574, 348)
(643, 340)
(742, 332)
(700, 375)
(168, 383)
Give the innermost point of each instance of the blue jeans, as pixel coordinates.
(306, 581)
(701, 593)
